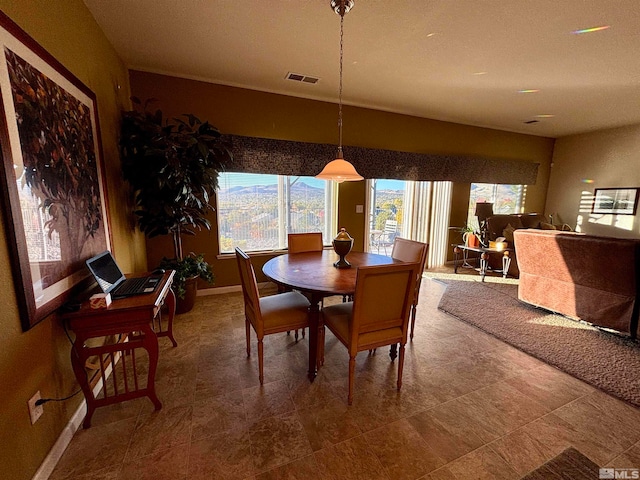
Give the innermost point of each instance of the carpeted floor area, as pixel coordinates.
(605, 360)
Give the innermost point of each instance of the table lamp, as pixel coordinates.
(484, 210)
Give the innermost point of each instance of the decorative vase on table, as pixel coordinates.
(342, 245)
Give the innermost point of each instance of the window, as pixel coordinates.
(505, 198)
(256, 212)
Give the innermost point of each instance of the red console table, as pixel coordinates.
(130, 327)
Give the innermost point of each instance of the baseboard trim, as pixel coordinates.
(65, 437)
(222, 290)
(218, 290)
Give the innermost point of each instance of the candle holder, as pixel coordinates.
(342, 245)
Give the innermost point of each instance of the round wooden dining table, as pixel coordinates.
(313, 274)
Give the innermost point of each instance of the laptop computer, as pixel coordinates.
(111, 280)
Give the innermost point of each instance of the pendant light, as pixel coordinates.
(339, 170)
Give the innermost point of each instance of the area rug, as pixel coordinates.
(569, 465)
(605, 360)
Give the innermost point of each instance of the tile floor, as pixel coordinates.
(471, 407)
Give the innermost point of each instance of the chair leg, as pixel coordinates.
(296, 335)
(247, 325)
(260, 361)
(413, 320)
(400, 366)
(393, 351)
(352, 373)
(303, 333)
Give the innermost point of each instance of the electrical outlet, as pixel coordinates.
(35, 411)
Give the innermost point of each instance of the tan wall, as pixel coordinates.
(245, 112)
(39, 359)
(582, 163)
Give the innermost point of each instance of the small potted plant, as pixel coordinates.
(185, 279)
(173, 168)
(469, 236)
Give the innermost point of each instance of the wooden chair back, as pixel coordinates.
(382, 304)
(411, 251)
(305, 242)
(249, 290)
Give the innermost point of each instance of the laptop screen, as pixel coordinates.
(105, 270)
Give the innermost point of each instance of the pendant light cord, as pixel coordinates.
(340, 90)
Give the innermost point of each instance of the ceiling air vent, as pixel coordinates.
(529, 122)
(302, 78)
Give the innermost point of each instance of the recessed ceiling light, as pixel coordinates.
(590, 30)
(530, 90)
(545, 115)
(431, 34)
(480, 73)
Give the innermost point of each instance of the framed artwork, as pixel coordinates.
(52, 174)
(615, 201)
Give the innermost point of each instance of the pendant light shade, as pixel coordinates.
(339, 170)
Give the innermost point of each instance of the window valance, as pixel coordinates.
(285, 157)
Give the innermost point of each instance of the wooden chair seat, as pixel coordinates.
(285, 311)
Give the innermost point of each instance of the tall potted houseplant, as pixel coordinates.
(173, 166)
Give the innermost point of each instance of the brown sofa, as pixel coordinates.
(592, 278)
(504, 226)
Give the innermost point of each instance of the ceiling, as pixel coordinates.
(462, 61)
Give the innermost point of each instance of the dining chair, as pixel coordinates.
(379, 314)
(272, 314)
(411, 251)
(302, 243)
(305, 242)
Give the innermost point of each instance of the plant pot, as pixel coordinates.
(184, 305)
(471, 240)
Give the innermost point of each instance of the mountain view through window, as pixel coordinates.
(256, 212)
(505, 199)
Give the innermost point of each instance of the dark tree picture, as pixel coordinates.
(52, 178)
(60, 170)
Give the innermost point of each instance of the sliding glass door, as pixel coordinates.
(414, 210)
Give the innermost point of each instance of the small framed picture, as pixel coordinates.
(615, 201)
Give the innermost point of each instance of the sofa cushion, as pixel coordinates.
(497, 223)
(532, 220)
(507, 233)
